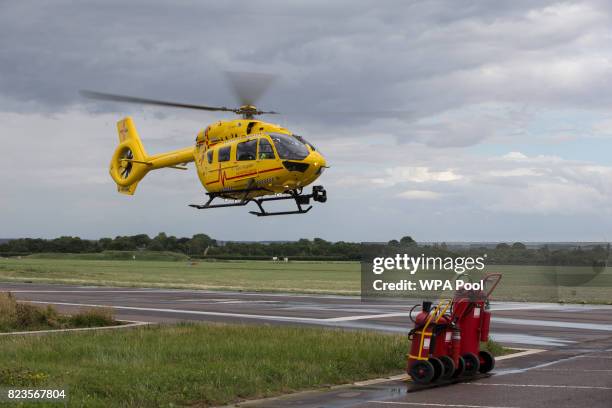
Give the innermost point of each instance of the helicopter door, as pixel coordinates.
(217, 167)
(246, 164)
(267, 162)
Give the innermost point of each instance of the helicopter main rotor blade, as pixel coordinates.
(249, 86)
(404, 116)
(144, 101)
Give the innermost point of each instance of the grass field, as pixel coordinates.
(195, 365)
(340, 277)
(522, 283)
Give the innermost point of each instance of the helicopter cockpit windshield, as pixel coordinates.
(306, 142)
(288, 147)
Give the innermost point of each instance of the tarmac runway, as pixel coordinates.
(575, 370)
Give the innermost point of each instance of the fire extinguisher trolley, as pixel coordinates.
(446, 338)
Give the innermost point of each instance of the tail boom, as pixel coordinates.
(130, 161)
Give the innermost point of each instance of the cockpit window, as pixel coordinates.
(247, 150)
(288, 147)
(306, 142)
(265, 150)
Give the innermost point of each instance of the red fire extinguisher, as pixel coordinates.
(470, 311)
(422, 365)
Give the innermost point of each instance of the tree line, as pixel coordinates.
(196, 245)
(203, 246)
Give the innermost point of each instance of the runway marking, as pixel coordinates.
(145, 291)
(195, 312)
(225, 314)
(502, 372)
(519, 354)
(542, 341)
(224, 301)
(595, 357)
(573, 370)
(551, 323)
(198, 291)
(122, 326)
(203, 299)
(578, 387)
(432, 404)
(362, 317)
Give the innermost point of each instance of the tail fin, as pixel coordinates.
(130, 162)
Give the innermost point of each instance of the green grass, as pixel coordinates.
(521, 283)
(496, 348)
(25, 317)
(336, 277)
(195, 365)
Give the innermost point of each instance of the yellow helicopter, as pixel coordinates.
(244, 160)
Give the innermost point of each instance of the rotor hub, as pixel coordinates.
(248, 111)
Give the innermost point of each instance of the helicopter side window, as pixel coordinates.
(288, 147)
(265, 150)
(224, 154)
(209, 156)
(247, 150)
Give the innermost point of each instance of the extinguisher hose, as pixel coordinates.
(410, 313)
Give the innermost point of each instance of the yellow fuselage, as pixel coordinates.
(230, 156)
(270, 168)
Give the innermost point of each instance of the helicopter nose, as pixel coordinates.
(318, 163)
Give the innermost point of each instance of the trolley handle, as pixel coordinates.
(488, 277)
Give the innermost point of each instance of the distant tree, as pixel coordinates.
(393, 243)
(518, 245)
(158, 243)
(141, 240)
(502, 246)
(69, 244)
(122, 244)
(407, 241)
(104, 243)
(198, 244)
(18, 245)
(171, 243)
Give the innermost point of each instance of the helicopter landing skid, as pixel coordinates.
(300, 199)
(318, 194)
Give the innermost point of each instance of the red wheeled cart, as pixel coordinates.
(446, 340)
(423, 366)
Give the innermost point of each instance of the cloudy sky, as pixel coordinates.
(507, 135)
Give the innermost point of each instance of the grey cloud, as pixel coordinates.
(423, 57)
(471, 78)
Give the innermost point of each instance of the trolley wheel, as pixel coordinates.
(460, 368)
(487, 361)
(449, 367)
(472, 364)
(422, 372)
(438, 368)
